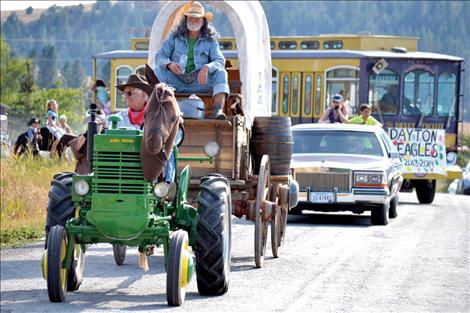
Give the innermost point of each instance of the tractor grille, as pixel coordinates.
(118, 172)
(324, 181)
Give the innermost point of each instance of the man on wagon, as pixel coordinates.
(190, 59)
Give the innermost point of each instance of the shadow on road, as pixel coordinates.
(330, 220)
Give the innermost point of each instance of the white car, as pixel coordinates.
(344, 167)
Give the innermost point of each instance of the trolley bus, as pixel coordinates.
(417, 96)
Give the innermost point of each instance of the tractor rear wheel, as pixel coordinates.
(56, 275)
(119, 252)
(60, 206)
(213, 235)
(180, 267)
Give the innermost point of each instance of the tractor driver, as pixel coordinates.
(190, 59)
(136, 91)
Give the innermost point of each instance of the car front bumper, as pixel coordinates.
(357, 198)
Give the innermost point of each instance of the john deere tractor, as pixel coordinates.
(115, 204)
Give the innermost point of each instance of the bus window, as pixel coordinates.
(274, 92)
(285, 94)
(333, 44)
(140, 70)
(345, 81)
(310, 44)
(122, 73)
(419, 93)
(318, 96)
(287, 45)
(446, 91)
(295, 94)
(141, 46)
(225, 45)
(273, 45)
(308, 95)
(384, 91)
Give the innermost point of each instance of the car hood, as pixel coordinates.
(350, 162)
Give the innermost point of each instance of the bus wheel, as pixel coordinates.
(425, 190)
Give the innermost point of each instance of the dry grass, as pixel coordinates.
(24, 188)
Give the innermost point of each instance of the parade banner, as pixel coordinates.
(421, 150)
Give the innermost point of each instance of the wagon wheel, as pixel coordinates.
(277, 229)
(261, 222)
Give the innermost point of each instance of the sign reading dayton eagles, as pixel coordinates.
(421, 150)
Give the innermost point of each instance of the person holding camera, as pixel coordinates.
(336, 113)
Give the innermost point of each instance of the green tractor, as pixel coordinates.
(115, 204)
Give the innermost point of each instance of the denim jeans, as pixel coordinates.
(216, 81)
(169, 173)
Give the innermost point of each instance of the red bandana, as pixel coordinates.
(136, 117)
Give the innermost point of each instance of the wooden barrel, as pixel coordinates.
(272, 136)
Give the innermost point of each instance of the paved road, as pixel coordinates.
(331, 263)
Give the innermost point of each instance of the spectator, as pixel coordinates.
(102, 96)
(336, 113)
(63, 124)
(28, 141)
(365, 118)
(53, 125)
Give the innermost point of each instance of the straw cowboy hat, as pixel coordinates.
(137, 81)
(195, 9)
(161, 123)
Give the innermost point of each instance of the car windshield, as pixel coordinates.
(338, 142)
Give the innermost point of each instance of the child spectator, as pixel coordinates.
(52, 124)
(102, 96)
(63, 124)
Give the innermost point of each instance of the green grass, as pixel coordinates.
(24, 187)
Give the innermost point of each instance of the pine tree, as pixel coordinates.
(47, 67)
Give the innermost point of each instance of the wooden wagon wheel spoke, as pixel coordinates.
(278, 222)
(261, 223)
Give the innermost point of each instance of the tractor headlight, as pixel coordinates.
(451, 158)
(211, 149)
(161, 190)
(81, 187)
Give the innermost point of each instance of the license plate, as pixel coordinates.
(321, 197)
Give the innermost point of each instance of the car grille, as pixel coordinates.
(118, 172)
(324, 181)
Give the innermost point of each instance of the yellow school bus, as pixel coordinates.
(424, 91)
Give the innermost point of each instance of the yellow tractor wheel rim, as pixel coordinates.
(184, 265)
(63, 271)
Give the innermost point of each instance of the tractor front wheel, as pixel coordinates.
(75, 275)
(213, 235)
(56, 274)
(119, 252)
(180, 268)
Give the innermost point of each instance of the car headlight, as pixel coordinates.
(451, 158)
(369, 179)
(161, 190)
(211, 148)
(81, 187)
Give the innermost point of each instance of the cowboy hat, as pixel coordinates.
(195, 9)
(162, 118)
(33, 120)
(137, 81)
